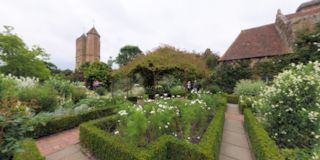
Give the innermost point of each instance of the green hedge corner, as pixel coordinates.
(68, 122)
(106, 146)
(28, 151)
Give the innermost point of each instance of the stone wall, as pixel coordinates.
(305, 23)
(284, 27)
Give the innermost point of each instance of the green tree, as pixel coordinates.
(211, 59)
(97, 71)
(19, 59)
(228, 74)
(127, 54)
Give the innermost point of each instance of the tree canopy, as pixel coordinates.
(19, 59)
(96, 71)
(127, 54)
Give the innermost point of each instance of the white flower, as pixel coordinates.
(116, 132)
(123, 113)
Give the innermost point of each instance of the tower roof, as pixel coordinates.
(93, 31)
(83, 36)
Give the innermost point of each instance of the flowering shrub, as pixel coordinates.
(248, 87)
(182, 118)
(291, 106)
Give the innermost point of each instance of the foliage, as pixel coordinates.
(168, 81)
(249, 87)
(291, 106)
(267, 68)
(49, 123)
(306, 47)
(100, 91)
(214, 89)
(95, 135)
(247, 102)
(178, 90)
(211, 59)
(137, 91)
(233, 99)
(127, 54)
(78, 93)
(165, 60)
(301, 154)
(28, 151)
(263, 146)
(40, 98)
(97, 71)
(63, 87)
(19, 59)
(185, 119)
(228, 74)
(12, 128)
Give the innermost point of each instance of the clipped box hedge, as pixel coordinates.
(232, 98)
(263, 146)
(28, 151)
(103, 145)
(67, 122)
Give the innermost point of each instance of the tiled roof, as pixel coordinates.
(256, 42)
(311, 11)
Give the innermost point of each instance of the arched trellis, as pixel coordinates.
(165, 60)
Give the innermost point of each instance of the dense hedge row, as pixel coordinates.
(29, 151)
(264, 147)
(233, 99)
(94, 135)
(67, 122)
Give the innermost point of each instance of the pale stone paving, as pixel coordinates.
(235, 143)
(62, 146)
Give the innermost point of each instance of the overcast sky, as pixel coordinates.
(187, 24)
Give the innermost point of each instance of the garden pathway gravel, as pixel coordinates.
(235, 144)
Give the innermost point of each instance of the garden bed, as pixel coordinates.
(106, 138)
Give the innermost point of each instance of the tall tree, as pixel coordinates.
(127, 54)
(19, 59)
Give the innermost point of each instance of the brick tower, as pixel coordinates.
(88, 48)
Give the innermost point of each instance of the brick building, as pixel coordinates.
(274, 39)
(88, 47)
